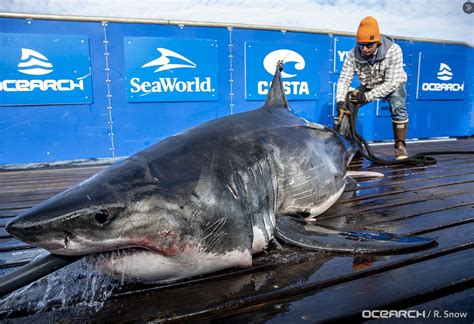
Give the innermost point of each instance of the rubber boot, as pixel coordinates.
(400, 135)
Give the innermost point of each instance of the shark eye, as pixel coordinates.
(102, 216)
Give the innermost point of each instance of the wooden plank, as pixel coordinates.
(21, 181)
(284, 272)
(42, 177)
(390, 189)
(10, 212)
(346, 301)
(452, 307)
(350, 219)
(4, 221)
(4, 234)
(42, 172)
(16, 258)
(38, 186)
(408, 179)
(32, 196)
(400, 199)
(10, 244)
(414, 225)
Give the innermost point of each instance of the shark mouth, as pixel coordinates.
(142, 265)
(133, 265)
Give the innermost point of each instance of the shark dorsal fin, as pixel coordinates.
(276, 96)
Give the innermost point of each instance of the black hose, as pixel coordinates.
(33, 271)
(422, 158)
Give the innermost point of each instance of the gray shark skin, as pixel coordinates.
(207, 199)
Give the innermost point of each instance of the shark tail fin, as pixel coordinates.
(298, 232)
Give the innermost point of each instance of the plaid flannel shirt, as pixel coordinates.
(382, 78)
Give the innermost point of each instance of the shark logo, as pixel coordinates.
(444, 73)
(290, 87)
(34, 63)
(285, 55)
(164, 61)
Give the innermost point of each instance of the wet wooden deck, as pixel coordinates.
(288, 284)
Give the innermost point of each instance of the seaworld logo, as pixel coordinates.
(163, 62)
(290, 87)
(35, 63)
(170, 60)
(444, 74)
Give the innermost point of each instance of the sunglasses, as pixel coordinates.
(368, 45)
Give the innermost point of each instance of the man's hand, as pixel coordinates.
(357, 97)
(341, 106)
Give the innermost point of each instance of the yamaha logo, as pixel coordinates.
(444, 73)
(34, 63)
(287, 56)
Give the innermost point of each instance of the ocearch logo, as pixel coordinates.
(444, 73)
(34, 63)
(287, 56)
(170, 60)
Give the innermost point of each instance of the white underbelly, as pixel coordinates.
(148, 266)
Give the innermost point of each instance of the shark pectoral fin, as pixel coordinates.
(298, 232)
(364, 174)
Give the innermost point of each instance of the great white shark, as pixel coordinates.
(208, 198)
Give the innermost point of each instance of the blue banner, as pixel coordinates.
(441, 76)
(300, 74)
(342, 46)
(171, 69)
(44, 69)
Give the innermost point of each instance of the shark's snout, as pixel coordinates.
(21, 229)
(33, 228)
(14, 228)
(40, 236)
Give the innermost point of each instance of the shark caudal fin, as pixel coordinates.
(298, 232)
(276, 96)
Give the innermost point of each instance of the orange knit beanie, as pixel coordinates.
(368, 31)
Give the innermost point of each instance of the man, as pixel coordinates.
(378, 62)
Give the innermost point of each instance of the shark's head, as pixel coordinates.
(136, 228)
(109, 211)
